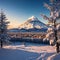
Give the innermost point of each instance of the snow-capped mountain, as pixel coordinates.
(31, 25)
(33, 22)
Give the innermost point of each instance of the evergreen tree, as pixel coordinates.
(3, 28)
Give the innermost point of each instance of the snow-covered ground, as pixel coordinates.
(27, 51)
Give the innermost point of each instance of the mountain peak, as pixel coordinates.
(33, 18)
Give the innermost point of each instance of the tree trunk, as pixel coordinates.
(57, 47)
(55, 31)
(1, 44)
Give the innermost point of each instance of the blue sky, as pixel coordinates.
(18, 11)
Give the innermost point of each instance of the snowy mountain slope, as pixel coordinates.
(33, 22)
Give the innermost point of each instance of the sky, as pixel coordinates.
(18, 11)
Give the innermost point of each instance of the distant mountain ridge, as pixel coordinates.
(27, 30)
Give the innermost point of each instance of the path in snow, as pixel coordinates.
(29, 51)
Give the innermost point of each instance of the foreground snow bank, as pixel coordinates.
(32, 47)
(55, 57)
(27, 51)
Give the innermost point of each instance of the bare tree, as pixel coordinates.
(54, 8)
